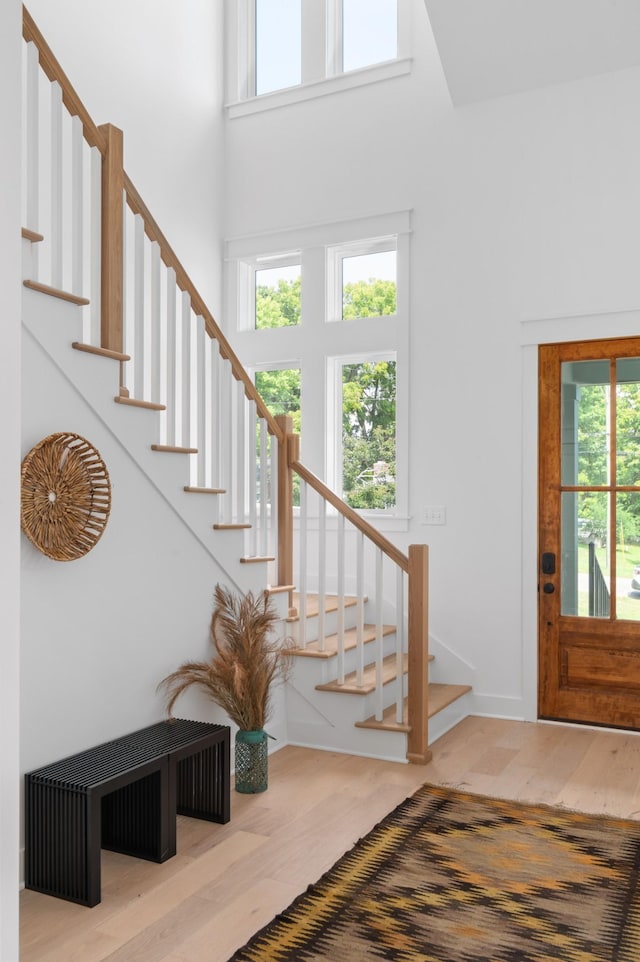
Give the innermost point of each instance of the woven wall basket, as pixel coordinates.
(66, 496)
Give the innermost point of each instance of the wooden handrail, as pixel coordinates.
(55, 73)
(356, 520)
(184, 282)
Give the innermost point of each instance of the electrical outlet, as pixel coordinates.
(434, 514)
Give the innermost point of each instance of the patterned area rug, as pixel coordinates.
(455, 877)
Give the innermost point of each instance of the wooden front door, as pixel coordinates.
(589, 532)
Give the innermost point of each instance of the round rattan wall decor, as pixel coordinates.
(66, 496)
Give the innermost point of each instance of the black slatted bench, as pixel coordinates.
(123, 795)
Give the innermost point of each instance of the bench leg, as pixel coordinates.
(62, 843)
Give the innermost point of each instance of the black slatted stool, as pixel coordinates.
(124, 796)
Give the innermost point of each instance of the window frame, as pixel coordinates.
(322, 72)
(335, 281)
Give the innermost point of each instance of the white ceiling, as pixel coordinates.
(490, 48)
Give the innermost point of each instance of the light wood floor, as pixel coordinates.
(229, 880)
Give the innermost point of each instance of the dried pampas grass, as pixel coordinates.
(245, 664)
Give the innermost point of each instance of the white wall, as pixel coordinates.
(10, 29)
(523, 207)
(154, 69)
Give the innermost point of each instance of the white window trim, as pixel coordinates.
(322, 73)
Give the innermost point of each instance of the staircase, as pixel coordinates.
(166, 384)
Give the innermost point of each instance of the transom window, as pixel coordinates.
(288, 50)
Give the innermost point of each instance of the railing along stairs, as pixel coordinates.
(96, 244)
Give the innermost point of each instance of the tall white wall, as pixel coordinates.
(154, 69)
(524, 207)
(10, 47)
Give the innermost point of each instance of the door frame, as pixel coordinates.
(533, 332)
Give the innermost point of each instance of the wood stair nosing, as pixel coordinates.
(193, 490)
(135, 403)
(76, 299)
(440, 696)
(172, 449)
(231, 526)
(313, 650)
(32, 235)
(256, 559)
(99, 351)
(351, 686)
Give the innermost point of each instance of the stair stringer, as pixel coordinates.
(53, 325)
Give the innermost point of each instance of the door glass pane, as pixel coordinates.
(628, 420)
(628, 556)
(586, 410)
(585, 547)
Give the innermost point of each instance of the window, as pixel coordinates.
(277, 44)
(277, 296)
(280, 391)
(336, 354)
(369, 32)
(283, 51)
(368, 439)
(368, 285)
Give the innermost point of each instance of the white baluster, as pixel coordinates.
(128, 296)
(302, 562)
(273, 497)
(264, 488)
(216, 408)
(340, 593)
(184, 372)
(33, 150)
(400, 646)
(322, 572)
(252, 469)
(239, 458)
(155, 326)
(139, 345)
(172, 359)
(225, 426)
(199, 463)
(77, 205)
(360, 606)
(379, 637)
(93, 334)
(56, 185)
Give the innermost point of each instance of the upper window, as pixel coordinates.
(281, 51)
(369, 32)
(277, 296)
(369, 285)
(278, 44)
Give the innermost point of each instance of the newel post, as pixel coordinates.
(417, 742)
(288, 451)
(112, 239)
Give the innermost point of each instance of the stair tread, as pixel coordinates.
(439, 697)
(57, 292)
(231, 526)
(100, 351)
(171, 448)
(313, 650)
(256, 559)
(351, 687)
(32, 235)
(330, 604)
(136, 403)
(194, 490)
